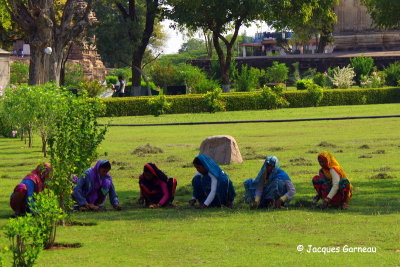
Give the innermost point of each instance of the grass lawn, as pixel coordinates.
(367, 149)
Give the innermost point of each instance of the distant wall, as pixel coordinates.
(4, 69)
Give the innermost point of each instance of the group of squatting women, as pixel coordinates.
(211, 186)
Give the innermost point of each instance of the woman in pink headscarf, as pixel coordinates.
(22, 196)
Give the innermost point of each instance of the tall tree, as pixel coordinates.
(320, 25)
(140, 29)
(221, 17)
(49, 23)
(385, 13)
(112, 37)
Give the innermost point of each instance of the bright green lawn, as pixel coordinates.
(240, 237)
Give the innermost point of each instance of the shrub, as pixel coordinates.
(279, 88)
(159, 105)
(92, 88)
(392, 73)
(320, 79)
(248, 79)
(362, 66)
(302, 84)
(309, 74)
(296, 72)
(111, 79)
(342, 78)
(272, 100)
(376, 80)
(213, 101)
(277, 73)
(47, 213)
(126, 73)
(73, 74)
(26, 241)
(195, 79)
(134, 106)
(315, 93)
(19, 73)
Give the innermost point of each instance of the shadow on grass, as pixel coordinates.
(369, 198)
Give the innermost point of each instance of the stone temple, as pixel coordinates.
(355, 30)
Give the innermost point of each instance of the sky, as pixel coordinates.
(175, 38)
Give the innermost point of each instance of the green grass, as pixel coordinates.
(290, 113)
(239, 237)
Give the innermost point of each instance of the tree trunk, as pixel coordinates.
(30, 136)
(44, 146)
(137, 59)
(36, 66)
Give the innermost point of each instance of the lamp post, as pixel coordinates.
(47, 52)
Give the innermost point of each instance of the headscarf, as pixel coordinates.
(212, 167)
(151, 167)
(39, 175)
(331, 163)
(94, 176)
(262, 176)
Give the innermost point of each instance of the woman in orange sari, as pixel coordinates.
(331, 184)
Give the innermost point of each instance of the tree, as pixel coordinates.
(140, 29)
(49, 23)
(113, 41)
(385, 13)
(219, 17)
(320, 25)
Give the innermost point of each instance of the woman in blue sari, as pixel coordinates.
(211, 185)
(271, 188)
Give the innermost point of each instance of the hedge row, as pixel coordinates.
(133, 106)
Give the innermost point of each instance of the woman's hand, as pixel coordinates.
(192, 202)
(325, 204)
(203, 206)
(92, 207)
(154, 206)
(117, 207)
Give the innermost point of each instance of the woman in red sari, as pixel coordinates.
(331, 184)
(156, 189)
(22, 196)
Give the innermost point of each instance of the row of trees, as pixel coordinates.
(58, 23)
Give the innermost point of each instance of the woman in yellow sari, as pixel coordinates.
(331, 184)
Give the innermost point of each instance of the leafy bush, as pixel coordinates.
(272, 100)
(392, 73)
(279, 88)
(277, 73)
(362, 66)
(296, 72)
(111, 79)
(315, 93)
(194, 103)
(309, 74)
(26, 241)
(73, 74)
(248, 79)
(126, 73)
(342, 78)
(303, 84)
(195, 79)
(321, 79)
(376, 80)
(19, 73)
(92, 88)
(47, 213)
(159, 105)
(213, 101)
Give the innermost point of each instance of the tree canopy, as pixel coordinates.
(385, 13)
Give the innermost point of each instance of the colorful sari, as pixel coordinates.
(273, 185)
(160, 191)
(323, 182)
(201, 184)
(32, 183)
(93, 189)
